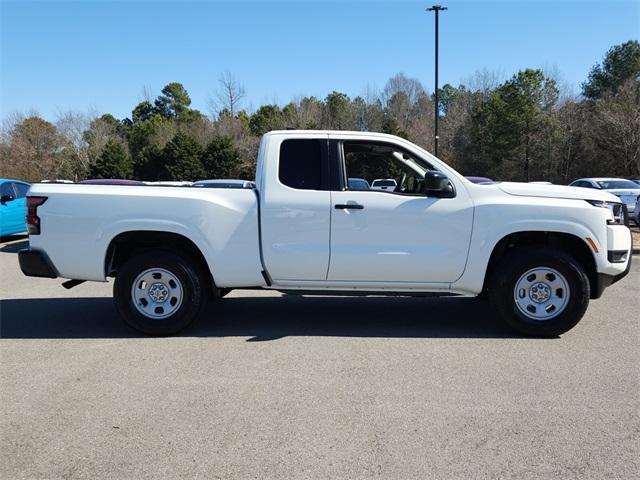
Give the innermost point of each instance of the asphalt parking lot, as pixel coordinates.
(308, 387)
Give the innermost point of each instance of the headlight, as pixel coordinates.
(617, 211)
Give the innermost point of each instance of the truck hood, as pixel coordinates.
(555, 191)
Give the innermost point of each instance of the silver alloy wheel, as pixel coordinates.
(541, 293)
(157, 293)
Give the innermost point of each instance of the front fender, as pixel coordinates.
(489, 230)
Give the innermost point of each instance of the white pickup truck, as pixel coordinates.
(537, 252)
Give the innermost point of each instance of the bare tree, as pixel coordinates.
(147, 93)
(400, 97)
(567, 161)
(484, 81)
(400, 83)
(8, 124)
(72, 125)
(229, 95)
(11, 120)
(374, 110)
(616, 122)
(566, 92)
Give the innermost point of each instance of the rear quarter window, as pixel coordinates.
(304, 164)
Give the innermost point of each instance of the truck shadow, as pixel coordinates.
(13, 243)
(266, 318)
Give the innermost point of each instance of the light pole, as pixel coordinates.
(437, 9)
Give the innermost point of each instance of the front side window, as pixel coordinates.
(6, 189)
(304, 164)
(385, 167)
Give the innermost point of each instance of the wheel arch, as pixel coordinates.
(125, 244)
(568, 243)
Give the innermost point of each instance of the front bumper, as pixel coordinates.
(604, 280)
(36, 263)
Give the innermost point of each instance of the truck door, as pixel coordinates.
(401, 235)
(296, 207)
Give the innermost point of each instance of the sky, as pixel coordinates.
(101, 57)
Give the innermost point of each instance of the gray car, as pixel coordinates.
(626, 190)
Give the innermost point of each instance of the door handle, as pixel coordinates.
(352, 206)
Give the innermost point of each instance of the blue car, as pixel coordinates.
(13, 206)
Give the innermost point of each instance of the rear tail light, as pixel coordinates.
(33, 221)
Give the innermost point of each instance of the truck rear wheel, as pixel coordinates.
(160, 292)
(540, 292)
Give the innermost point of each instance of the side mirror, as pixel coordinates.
(436, 184)
(6, 198)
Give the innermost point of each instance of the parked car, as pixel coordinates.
(636, 212)
(538, 252)
(222, 183)
(13, 206)
(384, 184)
(626, 190)
(358, 184)
(480, 180)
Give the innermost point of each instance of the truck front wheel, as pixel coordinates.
(159, 292)
(540, 292)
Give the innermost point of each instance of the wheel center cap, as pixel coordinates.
(158, 292)
(540, 292)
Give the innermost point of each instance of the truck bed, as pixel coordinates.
(80, 221)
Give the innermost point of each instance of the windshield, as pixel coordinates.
(611, 184)
(358, 184)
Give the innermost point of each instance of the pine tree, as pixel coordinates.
(147, 165)
(621, 63)
(182, 159)
(391, 127)
(113, 162)
(220, 159)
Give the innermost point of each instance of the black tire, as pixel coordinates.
(192, 286)
(514, 266)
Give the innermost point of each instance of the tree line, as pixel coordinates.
(524, 128)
